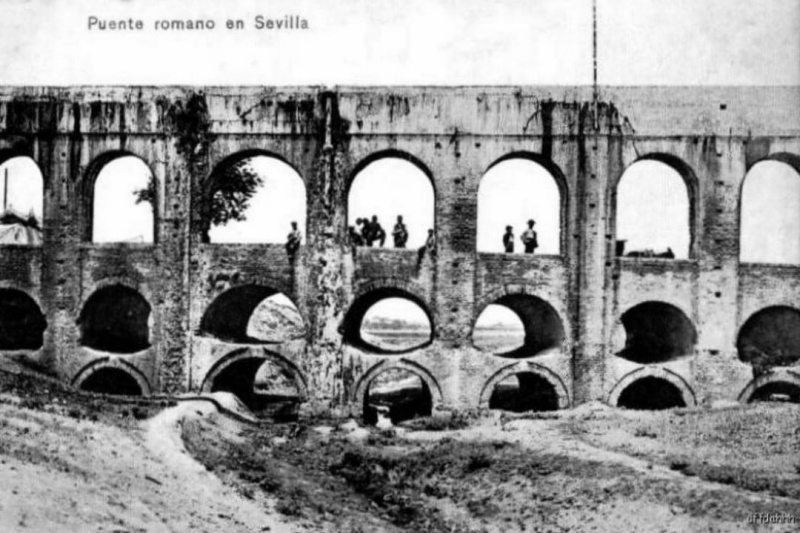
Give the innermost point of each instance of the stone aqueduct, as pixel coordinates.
(712, 136)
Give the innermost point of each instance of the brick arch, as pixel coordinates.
(128, 281)
(526, 366)
(240, 154)
(24, 323)
(29, 291)
(690, 180)
(248, 353)
(362, 384)
(391, 153)
(653, 372)
(774, 376)
(284, 285)
(18, 149)
(115, 363)
(97, 328)
(217, 321)
(493, 295)
(768, 339)
(370, 294)
(86, 190)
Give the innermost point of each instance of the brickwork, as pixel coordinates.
(712, 136)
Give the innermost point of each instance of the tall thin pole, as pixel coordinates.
(595, 91)
(5, 190)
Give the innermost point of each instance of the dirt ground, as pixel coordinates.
(73, 463)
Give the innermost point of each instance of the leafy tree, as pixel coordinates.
(233, 186)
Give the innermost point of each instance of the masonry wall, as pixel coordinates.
(711, 135)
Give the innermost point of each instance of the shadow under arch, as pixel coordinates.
(774, 377)
(115, 317)
(543, 325)
(228, 315)
(22, 322)
(282, 385)
(361, 389)
(690, 180)
(656, 332)
(106, 384)
(770, 337)
(86, 188)
(364, 300)
(528, 367)
(656, 373)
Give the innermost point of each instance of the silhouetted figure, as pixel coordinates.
(293, 242)
(428, 248)
(529, 238)
(362, 226)
(508, 240)
(669, 254)
(355, 237)
(400, 233)
(375, 232)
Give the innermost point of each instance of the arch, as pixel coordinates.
(526, 367)
(115, 318)
(361, 390)
(389, 184)
(790, 382)
(252, 196)
(769, 203)
(230, 316)
(669, 240)
(656, 332)
(770, 337)
(22, 323)
(104, 374)
(351, 327)
(657, 373)
(261, 379)
(21, 200)
(119, 186)
(543, 327)
(542, 195)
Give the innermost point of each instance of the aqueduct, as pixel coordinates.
(170, 315)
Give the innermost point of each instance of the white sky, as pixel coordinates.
(117, 217)
(511, 193)
(653, 209)
(391, 187)
(771, 214)
(279, 201)
(24, 186)
(444, 42)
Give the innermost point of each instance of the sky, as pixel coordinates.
(430, 42)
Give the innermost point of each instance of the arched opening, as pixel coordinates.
(653, 211)
(397, 394)
(385, 189)
(252, 314)
(388, 320)
(771, 337)
(265, 386)
(21, 202)
(123, 203)
(110, 380)
(770, 214)
(518, 325)
(115, 319)
(253, 198)
(513, 192)
(651, 394)
(22, 323)
(656, 332)
(524, 391)
(777, 391)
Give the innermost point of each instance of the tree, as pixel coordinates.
(232, 187)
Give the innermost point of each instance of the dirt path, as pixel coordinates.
(62, 474)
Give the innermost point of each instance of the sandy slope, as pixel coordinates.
(62, 474)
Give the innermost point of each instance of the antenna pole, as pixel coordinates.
(5, 190)
(595, 91)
